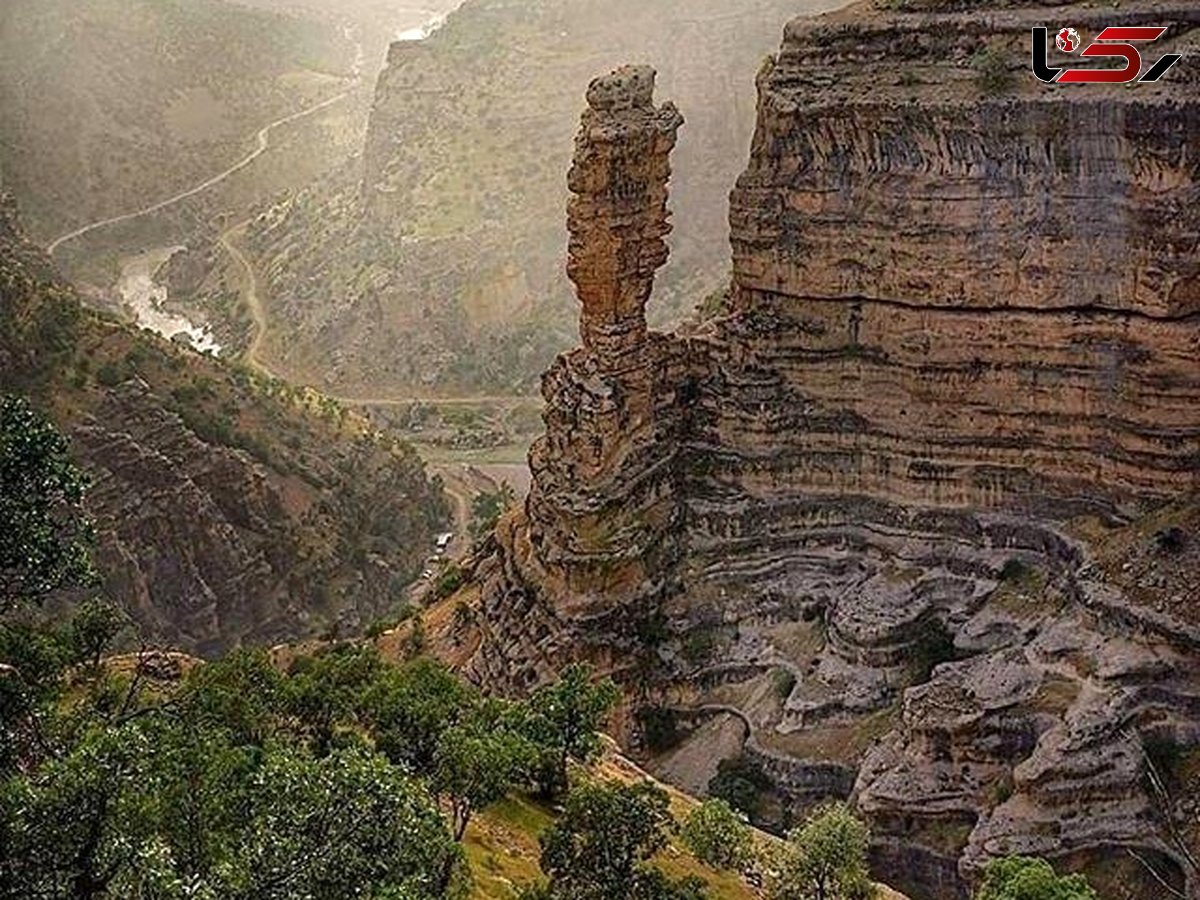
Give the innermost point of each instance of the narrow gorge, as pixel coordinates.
(912, 519)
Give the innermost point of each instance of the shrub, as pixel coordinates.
(785, 683)
(717, 835)
(934, 646)
(992, 75)
(1025, 878)
(698, 646)
(741, 783)
(451, 579)
(660, 728)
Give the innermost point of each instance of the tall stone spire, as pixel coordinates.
(618, 215)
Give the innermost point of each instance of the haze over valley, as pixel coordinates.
(577, 450)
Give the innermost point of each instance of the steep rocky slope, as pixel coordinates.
(913, 519)
(229, 509)
(433, 262)
(111, 105)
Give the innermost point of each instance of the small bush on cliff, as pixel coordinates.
(1024, 878)
(825, 858)
(487, 508)
(992, 75)
(660, 728)
(717, 835)
(741, 783)
(934, 646)
(451, 579)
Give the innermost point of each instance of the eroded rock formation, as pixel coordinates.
(898, 513)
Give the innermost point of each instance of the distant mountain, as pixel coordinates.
(110, 105)
(230, 509)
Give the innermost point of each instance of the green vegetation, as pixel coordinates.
(389, 623)
(825, 859)
(117, 784)
(487, 508)
(565, 718)
(1016, 571)
(600, 847)
(660, 728)
(992, 74)
(344, 776)
(934, 646)
(45, 535)
(784, 681)
(717, 835)
(1024, 878)
(450, 580)
(699, 645)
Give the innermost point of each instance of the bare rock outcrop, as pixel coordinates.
(894, 510)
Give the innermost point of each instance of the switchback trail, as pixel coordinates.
(262, 144)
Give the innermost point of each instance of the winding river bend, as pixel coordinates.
(144, 299)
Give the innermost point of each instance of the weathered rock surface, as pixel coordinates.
(918, 509)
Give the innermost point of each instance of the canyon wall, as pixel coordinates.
(915, 510)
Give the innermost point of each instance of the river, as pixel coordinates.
(142, 297)
(144, 300)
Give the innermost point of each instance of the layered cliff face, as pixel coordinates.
(228, 510)
(913, 520)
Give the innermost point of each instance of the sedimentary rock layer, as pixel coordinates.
(877, 509)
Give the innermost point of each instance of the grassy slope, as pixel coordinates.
(502, 844)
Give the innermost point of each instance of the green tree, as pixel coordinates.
(148, 809)
(45, 536)
(600, 847)
(717, 835)
(479, 762)
(345, 826)
(1024, 878)
(825, 858)
(242, 693)
(324, 692)
(409, 708)
(565, 720)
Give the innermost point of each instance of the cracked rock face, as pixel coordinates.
(617, 217)
(916, 515)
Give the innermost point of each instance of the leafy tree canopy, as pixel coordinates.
(1025, 878)
(717, 835)
(565, 719)
(600, 847)
(825, 858)
(45, 535)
